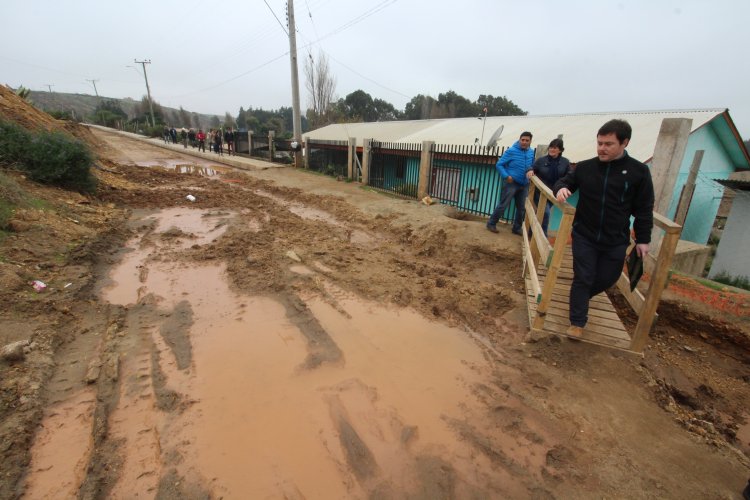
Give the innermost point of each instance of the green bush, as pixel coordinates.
(735, 281)
(13, 142)
(47, 157)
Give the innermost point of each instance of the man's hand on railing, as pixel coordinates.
(529, 174)
(563, 194)
(641, 249)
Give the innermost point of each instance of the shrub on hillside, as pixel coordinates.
(47, 157)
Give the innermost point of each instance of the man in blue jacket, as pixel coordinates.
(513, 166)
(612, 187)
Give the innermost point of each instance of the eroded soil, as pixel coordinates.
(290, 336)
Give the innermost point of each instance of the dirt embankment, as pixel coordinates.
(542, 420)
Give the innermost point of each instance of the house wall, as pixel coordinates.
(716, 164)
(732, 257)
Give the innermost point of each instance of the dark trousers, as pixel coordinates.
(595, 268)
(511, 191)
(202, 146)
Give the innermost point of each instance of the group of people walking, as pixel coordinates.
(217, 139)
(612, 187)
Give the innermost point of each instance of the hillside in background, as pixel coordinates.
(83, 106)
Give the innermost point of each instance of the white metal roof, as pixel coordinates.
(578, 130)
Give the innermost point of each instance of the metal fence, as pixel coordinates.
(329, 157)
(241, 144)
(465, 177)
(395, 167)
(282, 151)
(260, 147)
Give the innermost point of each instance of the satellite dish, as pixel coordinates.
(493, 140)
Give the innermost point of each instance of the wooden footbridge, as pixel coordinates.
(548, 272)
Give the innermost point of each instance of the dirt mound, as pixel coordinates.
(15, 109)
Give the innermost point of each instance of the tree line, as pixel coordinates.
(323, 109)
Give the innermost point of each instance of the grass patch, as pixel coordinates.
(735, 281)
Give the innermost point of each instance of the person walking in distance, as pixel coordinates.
(201, 137)
(549, 169)
(229, 140)
(217, 142)
(513, 166)
(612, 187)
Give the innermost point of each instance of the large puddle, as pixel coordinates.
(250, 421)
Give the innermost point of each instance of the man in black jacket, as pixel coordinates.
(612, 188)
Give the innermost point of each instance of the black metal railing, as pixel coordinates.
(260, 147)
(395, 167)
(241, 144)
(329, 157)
(465, 177)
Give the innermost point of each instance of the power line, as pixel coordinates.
(277, 19)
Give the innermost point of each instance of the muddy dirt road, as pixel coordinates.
(289, 336)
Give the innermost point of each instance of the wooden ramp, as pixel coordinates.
(604, 326)
(548, 273)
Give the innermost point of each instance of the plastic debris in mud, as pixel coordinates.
(190, 197)
(39, 286)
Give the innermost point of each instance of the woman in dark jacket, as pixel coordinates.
(549, 169)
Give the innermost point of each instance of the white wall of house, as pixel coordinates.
(732, 255)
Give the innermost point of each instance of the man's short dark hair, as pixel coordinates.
(620, 128)
(556, 143)
(527, 134)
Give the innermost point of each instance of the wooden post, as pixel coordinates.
(425, 167)
(655, 288)
(687, 191)
(563, 234)
(668, 154)
(366, 153)
(271, 145)
(307, 147)
(351, 153)
(250, 142)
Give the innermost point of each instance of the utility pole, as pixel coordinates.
(148, 90)
(49, 86)
(296, 119)
(93, 82)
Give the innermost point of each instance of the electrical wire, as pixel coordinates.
(277, 19)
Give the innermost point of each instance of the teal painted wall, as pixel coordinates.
(716, 164)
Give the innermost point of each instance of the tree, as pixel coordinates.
(321, 87)
(215, 122)
(499, 106)
(386, 111)
(109, 113)
(452, 105)
(229, 121)
(419, 108)
(242, 119)
(184, 118)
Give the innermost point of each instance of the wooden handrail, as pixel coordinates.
(644, 305)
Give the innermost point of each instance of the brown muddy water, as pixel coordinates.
(218, 391)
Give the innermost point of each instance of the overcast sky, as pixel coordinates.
(548, 57)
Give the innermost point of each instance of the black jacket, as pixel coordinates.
(609, 194)
(543, 169)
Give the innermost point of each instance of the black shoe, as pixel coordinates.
(519, 233)
(492, 229)
(746, 491)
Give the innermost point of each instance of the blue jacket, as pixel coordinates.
(515, 162)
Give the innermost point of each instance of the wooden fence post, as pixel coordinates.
(366, 150)
(351, 153)
(425, 167)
